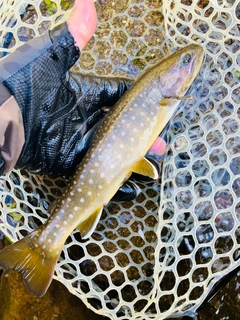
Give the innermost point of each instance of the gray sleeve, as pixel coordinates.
(11, 131)
(33, 75)
(30, 51)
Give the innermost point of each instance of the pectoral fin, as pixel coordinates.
(88, 226)
(146, 168)
(168, 101)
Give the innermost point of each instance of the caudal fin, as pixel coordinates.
(37, 268)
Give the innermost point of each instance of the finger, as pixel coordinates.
(82, 22)
(158, 147)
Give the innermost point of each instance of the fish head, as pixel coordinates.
(178, 71)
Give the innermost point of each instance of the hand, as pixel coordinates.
(60, 109)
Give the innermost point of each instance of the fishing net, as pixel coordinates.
(160, 255)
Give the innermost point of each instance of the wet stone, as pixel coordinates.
(136, 28)
(224, 222)
(184, 199)
(220, 177)
(223, 199)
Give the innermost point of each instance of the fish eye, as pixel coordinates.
(186, 59)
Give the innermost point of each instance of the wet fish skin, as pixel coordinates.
(133, 125)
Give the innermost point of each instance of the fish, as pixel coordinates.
(117, 150)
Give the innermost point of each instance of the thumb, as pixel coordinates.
(82, 22)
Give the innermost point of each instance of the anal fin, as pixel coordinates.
(145, 168)
(87, 226)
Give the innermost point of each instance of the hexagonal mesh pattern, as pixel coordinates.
(160, 255)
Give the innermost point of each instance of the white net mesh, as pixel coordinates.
(160, 255)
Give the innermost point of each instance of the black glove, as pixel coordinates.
(59, 108)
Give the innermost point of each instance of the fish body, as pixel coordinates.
(117, 149)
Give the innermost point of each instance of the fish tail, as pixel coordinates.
(28, 258)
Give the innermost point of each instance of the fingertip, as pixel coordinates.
(158, 147)
(82, 22)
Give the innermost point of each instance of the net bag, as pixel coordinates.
(160, 255)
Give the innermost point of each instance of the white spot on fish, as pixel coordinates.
(44, 246)
(49, 240)
(76, 208)
(96, 164)
(123, 121)
(92, 171)
(123, 133)
(82, 200)
(133, 118)
(55, 234)
(69, 199)
(71, 193)
(81, 176)
(102, 175)
(89, 193)
(57, 226)
(90, 181)
(74, 182)
(71, 216)
(79, 190)
(109, 145)
(100, 187)
(65, 222)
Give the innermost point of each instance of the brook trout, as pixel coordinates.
(117, 150)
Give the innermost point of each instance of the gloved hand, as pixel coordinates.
(59, 110)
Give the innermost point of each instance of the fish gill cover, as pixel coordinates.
(160, 255)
